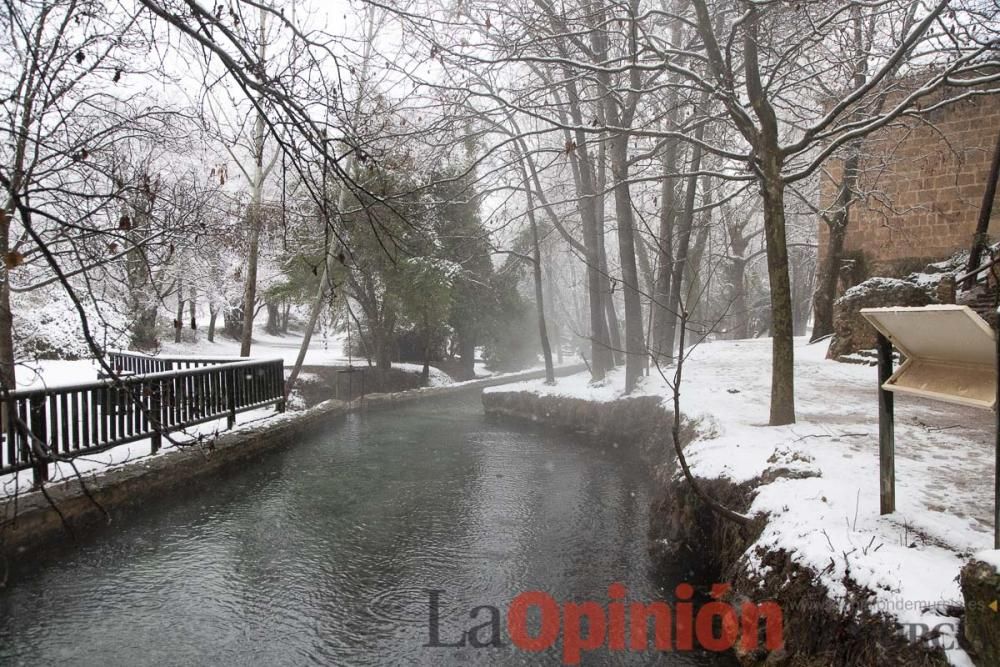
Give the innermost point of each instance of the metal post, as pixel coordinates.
(886, 430)
(996, 435)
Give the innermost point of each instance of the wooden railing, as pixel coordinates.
(141, 364)
(41, 426)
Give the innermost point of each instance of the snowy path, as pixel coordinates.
(944, 453)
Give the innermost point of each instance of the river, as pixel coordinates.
(328, 552)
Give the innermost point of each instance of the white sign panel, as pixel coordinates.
(950, 353)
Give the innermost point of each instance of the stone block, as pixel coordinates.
(981, 590)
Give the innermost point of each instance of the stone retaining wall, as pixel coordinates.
(640, 423)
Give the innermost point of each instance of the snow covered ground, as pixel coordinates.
(830, 522)
(436, 378)
(322, 352)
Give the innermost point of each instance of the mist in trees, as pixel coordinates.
(441, 183)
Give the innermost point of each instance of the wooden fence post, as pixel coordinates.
(10, 429)
(39, 429)
(230, 376)
(155, 416)
(886, 430)
(279, 384)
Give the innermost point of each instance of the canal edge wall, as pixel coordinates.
(67, 509)
(818, 630)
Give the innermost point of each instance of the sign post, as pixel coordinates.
(886, 430)
(952, 355)
(996, 445)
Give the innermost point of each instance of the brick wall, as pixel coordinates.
(923, 184)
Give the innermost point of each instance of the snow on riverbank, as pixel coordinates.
(436, 377)
(321, 352)
(830, 521)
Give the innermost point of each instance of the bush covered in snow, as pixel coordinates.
(47, 326)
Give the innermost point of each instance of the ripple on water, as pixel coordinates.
(324, 553)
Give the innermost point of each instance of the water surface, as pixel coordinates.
(324, 552)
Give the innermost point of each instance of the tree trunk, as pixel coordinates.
(314, 312)
(552, 320)
(582, 248)
(660, 314)
(739, 318)
(179, 315)
(607, 282)
(250, 287)
(213, 313)
(635, 344)
(612, 323)
(272, 326)
(550, 375)
(8, 377)
(768, 164)
(425, 372)
(193, 307)
(829, 273)
(826, 285)
(320, 297)
(255, 211)
(696, 288)
(674, 305)
(583, 172)
(383, 350)
(661, 347)
(467, 350)
(802, 277)
(143, 327)
(782, 350)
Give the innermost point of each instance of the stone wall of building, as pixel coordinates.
(923, 181)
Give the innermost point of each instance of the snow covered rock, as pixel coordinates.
(851, 331)
(981, 590)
